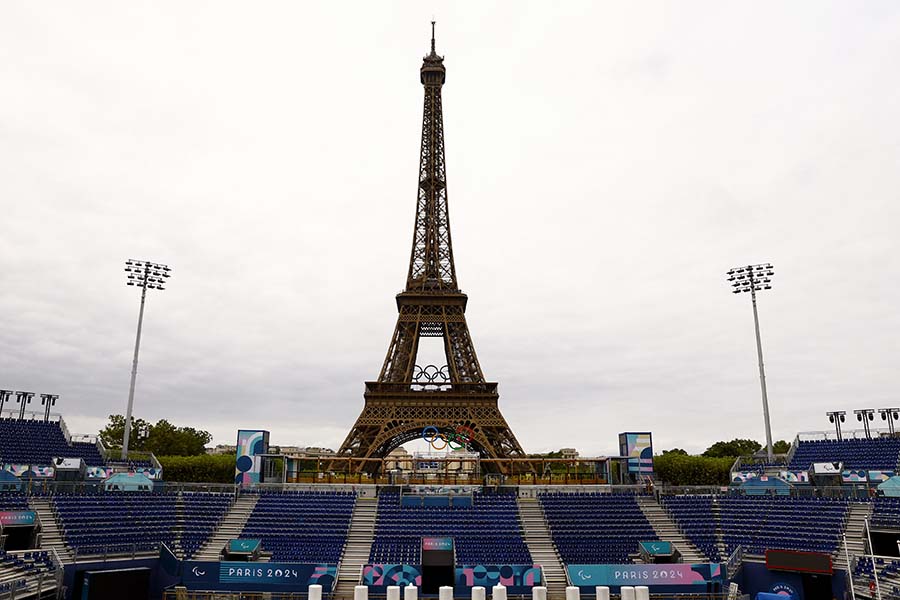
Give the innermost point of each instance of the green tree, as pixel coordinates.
(162, 438)
(112, 434)
(675, 451)
(204, 468)
(681, 469)
(733, 449)
(781, 447)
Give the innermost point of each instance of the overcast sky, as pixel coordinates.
(607, 163)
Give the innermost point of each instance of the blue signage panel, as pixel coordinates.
(676, 574)
(238, 546)
(657, 548)
(257, 576)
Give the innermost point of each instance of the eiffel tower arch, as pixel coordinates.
(408, 397)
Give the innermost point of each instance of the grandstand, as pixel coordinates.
(301, 526)
(36, 442)
(486, 532)
(879, 453)
(596, 528)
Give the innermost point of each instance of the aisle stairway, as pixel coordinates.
(231, 527)
(540, 545)
(854, 534)
(51, 534)
(667, 531)
(358, 546)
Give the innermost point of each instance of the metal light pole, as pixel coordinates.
(864, 415)
(890, 415)
(23, 398)
(755, 278)
(4, 398)
(48, 401)
(145, 275)
(837, 417)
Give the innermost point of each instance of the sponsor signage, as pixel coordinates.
(239, 546)
(657, 548)
(675, 574)
(827, 468)
(13, 518)
(257, 576)
(437, 543)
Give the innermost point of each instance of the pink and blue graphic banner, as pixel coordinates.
(12, 518)
(676, 574)
(638, 447)
(437, 543)
(250, 445)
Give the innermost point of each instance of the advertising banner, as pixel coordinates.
(675, 574)
(854, 476)
(17, 518)
(238, 545)
(381, 576)
(657, 548)
(250, 445)
(638, 447)
(518, 579)
(437, 543)
(257, 576)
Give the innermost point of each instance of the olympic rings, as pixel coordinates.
(462, 436)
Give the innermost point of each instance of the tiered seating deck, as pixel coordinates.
(36, 442)
(694, 516)
(302, 526)
(881, 453)
(487, 532)
(759, 523)
(202, 513)
(116, 522)
(596, 528)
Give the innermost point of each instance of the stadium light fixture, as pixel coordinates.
(48, 401)
(4, 398)
(145, 275)
(864, 415)
(24, 399)
(837, 417)
(756, 278)
(890, 415)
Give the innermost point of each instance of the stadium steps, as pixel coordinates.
(667, 531)
(717, 519)
(540, 545)
(230, 527)
(359, 544)
(854, 534)
(51, 535)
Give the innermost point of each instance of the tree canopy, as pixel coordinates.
(161, 438)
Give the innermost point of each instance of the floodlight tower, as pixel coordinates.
(865, 415)
(890, 415)
(48, 401)
(145, 275)
(24, 399)
(4, 398)
(837, 417)
(755, 278)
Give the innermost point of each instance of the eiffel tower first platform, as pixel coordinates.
(408, 397)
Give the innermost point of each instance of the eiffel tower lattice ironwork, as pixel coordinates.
(408, 397)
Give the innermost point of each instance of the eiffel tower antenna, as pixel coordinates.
(409, 397)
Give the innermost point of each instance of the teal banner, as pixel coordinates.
(676, 574)
(657, 548)
(238, 546)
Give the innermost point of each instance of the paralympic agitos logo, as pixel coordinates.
(462, 437)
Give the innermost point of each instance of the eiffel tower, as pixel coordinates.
(409, 397)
